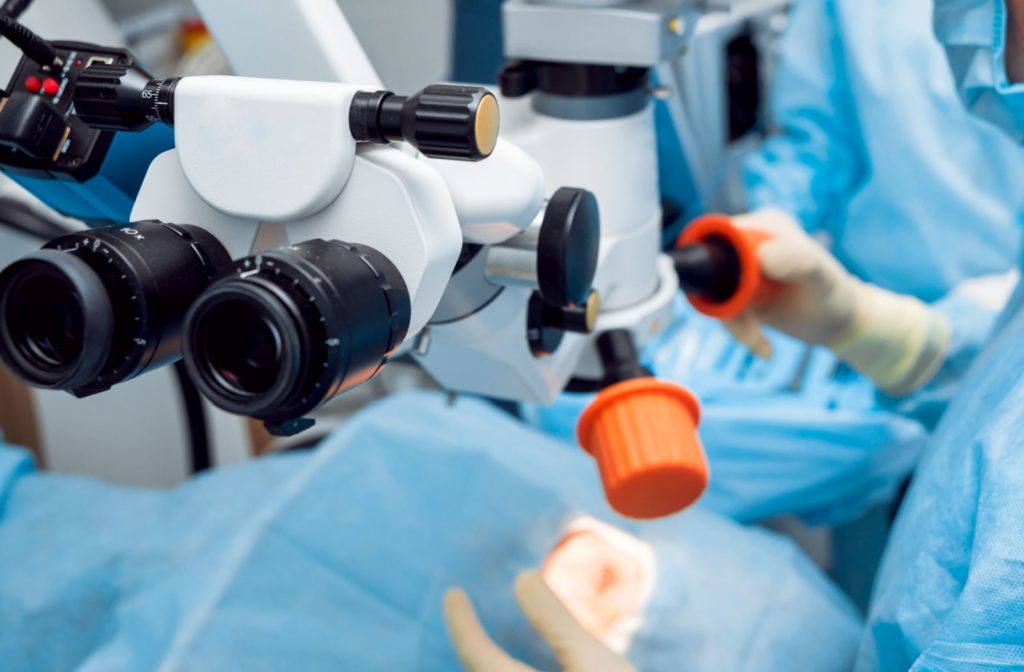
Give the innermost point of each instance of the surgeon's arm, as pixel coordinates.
(811, 167)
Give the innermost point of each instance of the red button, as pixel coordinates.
(51, 87)
(33, 84)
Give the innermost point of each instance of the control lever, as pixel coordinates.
(718, 267)
(643, 434)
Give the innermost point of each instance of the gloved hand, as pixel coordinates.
(897, 341)
(576, 649)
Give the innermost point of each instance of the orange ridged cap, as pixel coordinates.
(753, 287)
(643, 434)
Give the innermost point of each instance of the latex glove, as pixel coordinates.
(576, 649)
(896, 340)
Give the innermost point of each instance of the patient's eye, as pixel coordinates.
(604, 576)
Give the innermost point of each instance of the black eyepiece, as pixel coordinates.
(295, 327)
(245, 346)
(96, 308)
(55, 320)
(248, 345)
(54, 329)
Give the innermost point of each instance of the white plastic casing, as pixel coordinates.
(496, 198)
(261, 148)
(488, 352)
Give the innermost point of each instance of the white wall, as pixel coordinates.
(408, 41)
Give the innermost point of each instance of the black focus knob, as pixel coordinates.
(442, 121)
(711, 269)
(123, 98)
(570, 236)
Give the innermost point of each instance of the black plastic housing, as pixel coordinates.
(96, 308)
(33, 125)
(294, 327)
(80, 154)
(520, 78)
(123, 97)
(619, 357)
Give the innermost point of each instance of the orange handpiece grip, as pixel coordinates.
(753, 287)
(643, 434)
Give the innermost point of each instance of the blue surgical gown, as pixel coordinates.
(951, 588)
(874, 147)
(338, 559)
(950, 593)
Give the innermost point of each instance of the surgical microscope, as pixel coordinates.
(300, 232)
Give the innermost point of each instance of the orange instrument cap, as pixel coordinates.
(752, 286)
(643, 434)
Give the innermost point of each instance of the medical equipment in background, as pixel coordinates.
(715, 91)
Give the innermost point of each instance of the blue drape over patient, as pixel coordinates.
(338, 559)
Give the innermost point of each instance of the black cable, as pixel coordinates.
(33, 46)
(199, 443)
(15, 8)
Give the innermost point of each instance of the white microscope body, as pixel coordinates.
(302, 252)
(495, 275)
(262, 163)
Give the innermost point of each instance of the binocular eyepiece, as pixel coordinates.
(271, 336)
